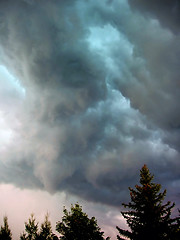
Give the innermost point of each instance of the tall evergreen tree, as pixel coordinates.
(31, 229)
(148, 218)
(5, 232)
(76, 225)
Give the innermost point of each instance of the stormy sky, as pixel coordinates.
(89, 92)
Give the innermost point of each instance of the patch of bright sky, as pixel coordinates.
(18, 204)
(10, 91)
(5, 132)
(5, 75)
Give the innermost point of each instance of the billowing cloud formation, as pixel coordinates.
(167, 11)
(96, 97)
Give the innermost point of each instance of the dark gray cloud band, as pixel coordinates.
(166, 11)
(101, 97)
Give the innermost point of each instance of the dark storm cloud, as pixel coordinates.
(166, 11)
(101, 92)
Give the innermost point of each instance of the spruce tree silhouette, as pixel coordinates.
(148, 218)
(5, 232)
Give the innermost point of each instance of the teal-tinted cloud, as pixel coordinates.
(102, 89)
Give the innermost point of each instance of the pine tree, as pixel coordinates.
(5, 232)
(148, 218)
(76, 225)
(31, 229)
(46, 230)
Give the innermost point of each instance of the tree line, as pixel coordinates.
(147, 216)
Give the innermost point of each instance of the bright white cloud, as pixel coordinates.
(9, 83)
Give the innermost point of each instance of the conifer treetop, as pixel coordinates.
(147, 216)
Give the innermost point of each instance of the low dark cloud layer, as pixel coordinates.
(97, 97)
(166, 11)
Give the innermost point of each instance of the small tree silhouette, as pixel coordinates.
(45, 232)
(76, 225)
(5, 232)
(31, 229)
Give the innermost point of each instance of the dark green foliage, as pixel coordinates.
(5, 232)
(46, 230)
(32, 232)
(76, 225)
(176, 228)
(31, 229)
(23, 236)
(148, 218)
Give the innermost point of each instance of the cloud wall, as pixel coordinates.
(91, 95)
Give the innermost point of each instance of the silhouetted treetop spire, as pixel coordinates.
(148, 218)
